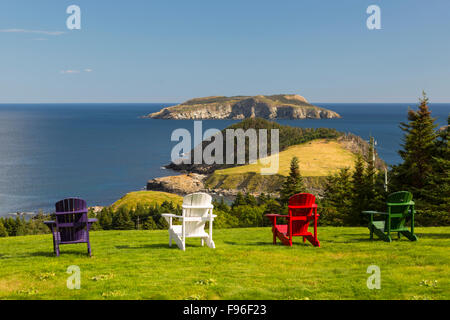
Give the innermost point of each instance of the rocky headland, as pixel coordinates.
(241, 107)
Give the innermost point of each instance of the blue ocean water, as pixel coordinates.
(100, 152)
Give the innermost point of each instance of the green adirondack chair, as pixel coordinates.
(400, 210)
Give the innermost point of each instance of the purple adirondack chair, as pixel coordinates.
(71, 224)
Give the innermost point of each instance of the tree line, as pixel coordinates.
(424, 171)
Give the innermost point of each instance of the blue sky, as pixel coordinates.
(170, 51)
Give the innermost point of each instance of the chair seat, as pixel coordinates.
(73, 242)
(379, 225)
(283, 228)
(178, 230)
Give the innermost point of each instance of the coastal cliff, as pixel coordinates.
(242, 107)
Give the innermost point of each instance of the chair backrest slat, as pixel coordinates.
(197, 199)
(71, 218)
(201, 200)
(301, 199)
(399, 198)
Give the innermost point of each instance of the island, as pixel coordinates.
(282, 106)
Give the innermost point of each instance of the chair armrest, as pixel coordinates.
(273, 217)
(190, 219)
(171, 215)
(51, 225)
(375, 212)
(92, 220)
(185, 206)
(68, 212)
(270, 215)
(410, 203)
(314, 205)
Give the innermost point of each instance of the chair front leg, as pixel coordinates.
(315, 223)
(183, 233)
(210, 224)
(89, 248)
(290, 232)
(56, 237)
(54, 243)
(52, 230)
(389, 222)
(371, 226)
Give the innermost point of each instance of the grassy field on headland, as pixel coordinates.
(245, 265)
(317, 159)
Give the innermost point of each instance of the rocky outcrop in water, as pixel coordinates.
(181, 184)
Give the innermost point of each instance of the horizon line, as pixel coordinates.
(166, 102)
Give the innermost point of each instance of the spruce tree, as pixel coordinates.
(439, 195)
(10, 225)
(239, 200)
(293, 183)
(21, 226)
(122, 220)
(3, 231)
(250, 200)
(415, 173)
(149, 224)
(338, 197)
(370, 177)
(263, 198)
(359, 197)
(105, 219)
(221, 205)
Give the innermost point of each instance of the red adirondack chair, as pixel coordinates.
(302, 210)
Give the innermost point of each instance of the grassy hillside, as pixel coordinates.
(318, 158)
(245, 265)
(146, 199)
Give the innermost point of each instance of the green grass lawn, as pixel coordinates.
(245, 265)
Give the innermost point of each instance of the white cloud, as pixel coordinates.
(69, 71)
(48, 33)
(72, 71)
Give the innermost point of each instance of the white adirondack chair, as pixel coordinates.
(197, 210)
